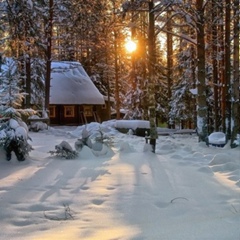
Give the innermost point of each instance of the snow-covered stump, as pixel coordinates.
(217, 139)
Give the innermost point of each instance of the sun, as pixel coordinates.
(131, 46)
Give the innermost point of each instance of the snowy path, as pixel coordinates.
(177, 208)
(135, 195)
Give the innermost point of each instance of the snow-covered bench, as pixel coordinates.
(45, 120)
(170, 132)
(138, 127)
(37, 123)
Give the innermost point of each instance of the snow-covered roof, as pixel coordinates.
(70, 84)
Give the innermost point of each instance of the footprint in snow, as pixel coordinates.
(97, 201)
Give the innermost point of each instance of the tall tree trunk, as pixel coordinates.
(221, 54)
(28, 81)
(116, 76)
(151, 84)
(116, 67)
(201, 85)
(193, 76)
(215, 64)
(169, 64)
(227, 69)
(48, 54)
(235, 87)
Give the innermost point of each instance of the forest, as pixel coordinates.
(183, 73)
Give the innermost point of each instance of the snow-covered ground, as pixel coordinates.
(185, 191)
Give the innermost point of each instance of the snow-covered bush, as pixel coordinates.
(14, 137)
(84, 141)
(102, 143)
(64, 150)
(104, 138)
(97, 143)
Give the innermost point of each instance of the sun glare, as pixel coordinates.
(131, 46)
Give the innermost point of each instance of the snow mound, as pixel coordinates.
(147, 148)
(105, 151)
(205, 169)
(125, 147)
(228, 167)
(222, 163)
(220, 158)
(86, 153)
(198, 155)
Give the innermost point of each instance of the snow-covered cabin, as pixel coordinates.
(74, 99)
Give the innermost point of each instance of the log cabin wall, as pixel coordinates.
(75, 114)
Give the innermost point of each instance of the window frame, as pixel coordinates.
(71, 109)
(52, 111)
(88, 111)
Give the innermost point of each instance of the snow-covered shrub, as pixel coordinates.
(64, 150)
(79, 145)
(104, 138)
(84, 141)
(102, 144)
(14, 137)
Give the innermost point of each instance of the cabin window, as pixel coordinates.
(104, 106)
(68, 111)
(88, 111)
(52, 111)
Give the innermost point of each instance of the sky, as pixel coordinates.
(185, 191)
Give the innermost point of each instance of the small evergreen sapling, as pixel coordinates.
(99, 145)
(64, 150)
(84, 141)
(104, 138)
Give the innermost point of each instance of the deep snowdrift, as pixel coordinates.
(185, 191)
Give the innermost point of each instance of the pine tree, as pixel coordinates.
(13, 132)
